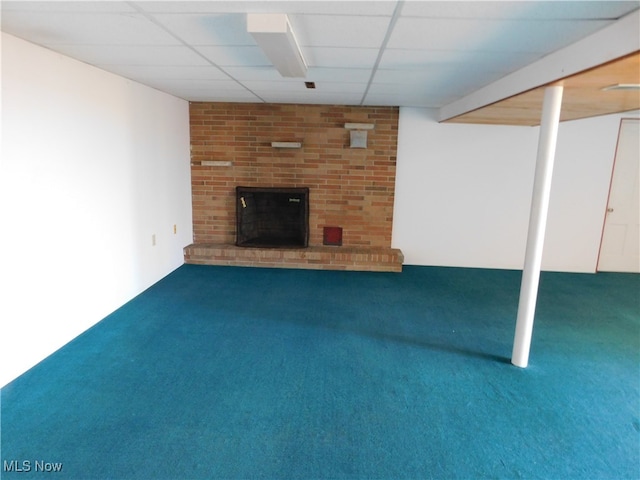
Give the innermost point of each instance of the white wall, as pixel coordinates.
(463, 192)
(92, 166)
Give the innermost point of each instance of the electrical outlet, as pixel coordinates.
(175, 229)
(153, 240)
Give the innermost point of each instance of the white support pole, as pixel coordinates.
(537, 224)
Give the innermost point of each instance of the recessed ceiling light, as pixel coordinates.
(622, 86)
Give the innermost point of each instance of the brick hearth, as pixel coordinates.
(370, 259)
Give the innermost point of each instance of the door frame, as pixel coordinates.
(613, 168)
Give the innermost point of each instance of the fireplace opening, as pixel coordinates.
(272, 217)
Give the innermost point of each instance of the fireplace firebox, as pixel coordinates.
(272, 217)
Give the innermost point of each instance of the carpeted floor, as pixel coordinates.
(223, 372)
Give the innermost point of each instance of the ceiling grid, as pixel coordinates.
(413, 53)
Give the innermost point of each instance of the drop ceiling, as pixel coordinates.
(400, 53)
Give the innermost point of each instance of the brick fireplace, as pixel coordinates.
(349, 188)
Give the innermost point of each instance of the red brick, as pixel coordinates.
(352, 188)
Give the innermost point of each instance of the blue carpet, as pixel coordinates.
(224, 372)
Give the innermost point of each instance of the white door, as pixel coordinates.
(620, 247)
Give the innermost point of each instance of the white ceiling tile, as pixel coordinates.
(341, 87)
(133, 55)
(276, 87)
(200, 85)
(399, 88)
(398, 101)
(208, 29)
(272, 6)
(199, 7)
(466, 9)
(299, 86)
(241, 56)
(407, 77)
(207, 95)
(488, 35)
(149, 72)
(430, 34)
(339, 31)
(440, 79)
(498, 61)
(409, 98)
(334, 57)
(514, 10)
(543, 36)
(270, 74)
(430, 91)
(402, 99)
(266, 73)
(335, 7)
(587, 10)
(313, 98)
(75, 6)
(85, 28)
(346, 75)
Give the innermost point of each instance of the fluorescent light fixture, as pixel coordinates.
(273, 34)
(622, 86)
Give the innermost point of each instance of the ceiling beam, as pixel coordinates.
(614, 41)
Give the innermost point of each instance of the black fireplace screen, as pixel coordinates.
(272, 217)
